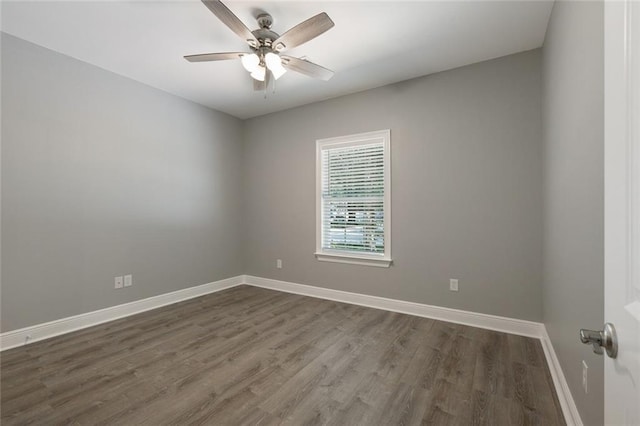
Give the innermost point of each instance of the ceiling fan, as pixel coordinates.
(264, 61)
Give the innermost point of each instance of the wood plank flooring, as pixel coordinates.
(254, 356)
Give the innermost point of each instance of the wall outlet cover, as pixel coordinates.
(118, 282)
(453, 285)
(128, 280)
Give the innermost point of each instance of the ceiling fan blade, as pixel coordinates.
(268, 76)
(303, 32)
(230, 20)
(206, 57)
(307, 68)
(258, 86)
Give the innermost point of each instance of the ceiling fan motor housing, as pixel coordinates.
(265, 36)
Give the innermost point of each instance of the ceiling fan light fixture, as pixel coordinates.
(278, 72)
(271, 59)
(259, 73)
(250, 62)
(274, 63)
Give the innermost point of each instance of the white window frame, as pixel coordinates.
(342, 256)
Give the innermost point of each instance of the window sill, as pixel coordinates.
(356, 260)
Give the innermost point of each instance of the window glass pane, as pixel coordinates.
(353, 198)
(354, 225)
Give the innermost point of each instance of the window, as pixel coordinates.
(353, 199)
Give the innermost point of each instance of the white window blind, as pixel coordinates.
(353, 199)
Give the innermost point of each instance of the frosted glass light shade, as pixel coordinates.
(274, 63)
(272, 60)
(278, 71)
(250, 62)
(259, 73)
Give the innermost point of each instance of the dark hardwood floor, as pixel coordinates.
(254, 356)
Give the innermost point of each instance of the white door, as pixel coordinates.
(622, 208)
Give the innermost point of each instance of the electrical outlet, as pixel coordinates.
(118, 283)
(585, 370)
(453, 285)
(128, 280)
(279, 263)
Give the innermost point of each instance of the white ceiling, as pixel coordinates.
(372, 44)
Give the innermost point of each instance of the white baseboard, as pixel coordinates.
(569, 408)
(474, 319)
(14, 338)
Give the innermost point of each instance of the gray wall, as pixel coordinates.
(573, 106)
(466, 188)
(104, 176)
